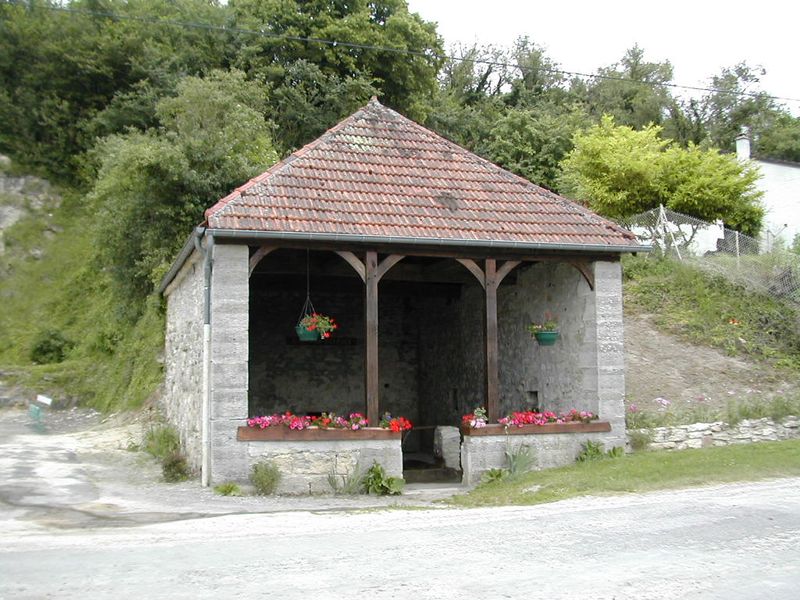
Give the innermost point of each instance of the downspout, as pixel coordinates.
(207, 253)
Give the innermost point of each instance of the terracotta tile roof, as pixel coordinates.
(380, 174)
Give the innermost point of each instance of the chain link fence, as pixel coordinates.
(761, 265)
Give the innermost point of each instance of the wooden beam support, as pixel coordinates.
(258, 255)
(585, 269)
(387, 263)
(473, 268)
(492, 372)
(354, 262)
(371, 384)
(505, 269)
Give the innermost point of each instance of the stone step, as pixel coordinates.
(432, 475)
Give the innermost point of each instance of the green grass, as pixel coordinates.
(642, 472)
(699, 307)
(112, 362)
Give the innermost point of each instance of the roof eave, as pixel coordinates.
(419, 241)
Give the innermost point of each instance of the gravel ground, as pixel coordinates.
(81, 517)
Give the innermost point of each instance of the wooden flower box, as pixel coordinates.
(313, 434)
(497, 429)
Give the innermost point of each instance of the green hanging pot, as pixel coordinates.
(546, 338)
(304, 335)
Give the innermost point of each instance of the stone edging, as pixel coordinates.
(703, 435)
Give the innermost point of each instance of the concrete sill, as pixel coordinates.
(497, 429)
(313, 434)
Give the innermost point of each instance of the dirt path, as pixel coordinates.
(659, 365)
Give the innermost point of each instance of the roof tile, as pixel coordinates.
(378, 173)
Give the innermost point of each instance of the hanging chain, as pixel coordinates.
(308, 307)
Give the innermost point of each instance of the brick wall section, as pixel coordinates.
(228, 375)
(183, 381)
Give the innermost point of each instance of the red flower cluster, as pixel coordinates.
(531, 417)
(323, 324)
(399, 424)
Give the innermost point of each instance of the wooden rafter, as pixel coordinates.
(258, 255)
(585, 269)
(473, 268)
(354, 262)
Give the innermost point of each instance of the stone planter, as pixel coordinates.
(308, 458)
(485, 448)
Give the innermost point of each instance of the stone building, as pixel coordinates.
(432, 260)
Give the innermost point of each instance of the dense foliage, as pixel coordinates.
(149, 111)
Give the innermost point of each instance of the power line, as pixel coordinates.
(405, 51)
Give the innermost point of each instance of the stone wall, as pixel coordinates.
(228, 376)
(306, 466)
(329, 376)
(182, 401)
(703, 435)
(482, 453)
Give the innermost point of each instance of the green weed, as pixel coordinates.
(265, 477)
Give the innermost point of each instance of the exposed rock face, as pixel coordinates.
(21, 196)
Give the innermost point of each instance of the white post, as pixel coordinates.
(737, 250)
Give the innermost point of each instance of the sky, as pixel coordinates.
(698, 37)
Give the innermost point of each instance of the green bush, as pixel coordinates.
(228, 488)
(376, 482)
(50, 346)
(349, 484)
(175, 467)
(640, 439)
(265, 477)
(521, 460)
(161, 441)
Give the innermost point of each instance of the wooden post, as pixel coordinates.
(371, 337)
(492, 375)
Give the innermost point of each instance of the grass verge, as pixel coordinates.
(642, 472)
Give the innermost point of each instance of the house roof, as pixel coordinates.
(378, 175)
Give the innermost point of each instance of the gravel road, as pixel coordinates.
(91, 535)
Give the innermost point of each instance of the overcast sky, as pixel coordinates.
(698, 37)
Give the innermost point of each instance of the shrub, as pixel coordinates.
(161, 441)
(520, 460)
(376, 482)
(493, 475)
(640, 439)
(228, 488)
(594, 451)
(50, 346)
(265, 477)
(175, 467)
(350, 484)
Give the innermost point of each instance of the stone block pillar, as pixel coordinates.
(610, 350)
(228, 378)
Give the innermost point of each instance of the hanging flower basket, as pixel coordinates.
(304, 335)
(546, 338)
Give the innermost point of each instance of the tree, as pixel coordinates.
(152, 187)
(620, 172)
(632, 90)
(59, 70)
(532, 142)
(405, 81)
(780, 139)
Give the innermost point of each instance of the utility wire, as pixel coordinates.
(405, 51)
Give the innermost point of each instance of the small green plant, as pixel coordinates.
(493, 475)
(161, 441)
(640, 439)
(594, 451)
(229, 488)
(50, 346)
(349, 484)
(377, 482)
(521, 460)
(265, 477)
(175, 468)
